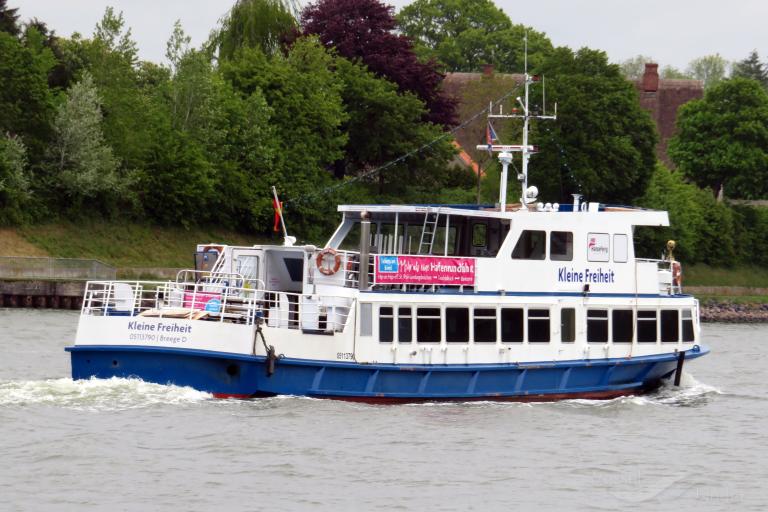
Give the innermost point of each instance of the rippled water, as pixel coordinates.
(128, 445)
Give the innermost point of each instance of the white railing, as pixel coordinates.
(668, 281)
(205, 301)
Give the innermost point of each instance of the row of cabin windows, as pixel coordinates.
(532, 245)
(603, 325)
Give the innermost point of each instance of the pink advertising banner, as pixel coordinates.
(425, 270)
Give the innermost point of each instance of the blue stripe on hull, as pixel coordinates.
(227, 374)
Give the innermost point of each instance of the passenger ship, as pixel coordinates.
(529, 301)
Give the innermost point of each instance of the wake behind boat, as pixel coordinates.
(530, 301)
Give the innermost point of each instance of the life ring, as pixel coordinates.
(324, 264)
(677, 273)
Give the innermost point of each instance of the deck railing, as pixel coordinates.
(666, 269)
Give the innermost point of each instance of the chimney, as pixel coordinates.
(651, 77)
(488, 70)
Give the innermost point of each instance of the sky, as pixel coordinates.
(672, 32)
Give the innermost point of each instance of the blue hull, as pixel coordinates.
(234, 375)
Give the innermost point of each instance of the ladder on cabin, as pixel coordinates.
(428, 232)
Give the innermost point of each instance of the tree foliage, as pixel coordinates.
(9, 19)
(14, 180)
(710, 69)
(465, 34)
(602, 144)
(263, 24)
(364, 30)
(752, 68)
(722, 139)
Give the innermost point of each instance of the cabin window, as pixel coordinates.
(479, 235)
(428, 325)
(386, 324)
(385, 241)
(568, 325)
(366, 319)
(457, 325)
(561, 246)
(670, 325)
(598, 246)
(530, 246)
(623, 325)
(404, 325)
(597, 325)
(538, 326)
(512, 325)
(485, 325)
(620, 245)
(438, 246)
(687, 325)
(646, 326)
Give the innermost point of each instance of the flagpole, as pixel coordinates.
(279, 211)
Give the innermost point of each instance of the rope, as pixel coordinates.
(402, 158)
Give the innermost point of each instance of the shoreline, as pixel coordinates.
(730, 312)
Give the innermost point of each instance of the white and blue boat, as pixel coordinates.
(530, 301)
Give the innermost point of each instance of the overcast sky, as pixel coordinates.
(673, 32)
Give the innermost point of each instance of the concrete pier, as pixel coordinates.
(39, 293)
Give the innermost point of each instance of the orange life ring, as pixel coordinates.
(677, 273)
(323, 263)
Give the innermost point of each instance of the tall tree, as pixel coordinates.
(81, 165)
(710, 69)
(14, 179)
(263, 24)
(602, 144)
(465, 34)
(751, 67)
(722, 139)
(365, 30)
(9, 19)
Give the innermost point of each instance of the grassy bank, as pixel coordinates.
(126, 245)
(704, 275)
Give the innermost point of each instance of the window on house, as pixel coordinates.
(568, 325)
(404, 325)
(670, 325)
(531, 246)
(623, 325)
(428, 325)
(457, 325)
(485, 325)
(597, 325)
(646, 326)
(561, 246)
(688, 334)
(512, 325)
(538, 326)
(386, 324)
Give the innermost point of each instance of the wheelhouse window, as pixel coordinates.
(386, 324)
(485, 325)
(597, 325)
(620, 251)
(538, 326)
(404, 325)
(428, 325)
(670, 325)
(568, 325)
(530, 246)
(479, 235)
(512, 325)
(457, 325)
(646, 326)
(561, 246)
(688, 334)
(622, 325)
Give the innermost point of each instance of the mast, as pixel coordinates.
(526, 150)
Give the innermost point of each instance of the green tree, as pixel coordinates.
(671, 72)
(14, 180)
(634, 67)
(9, 19)
(751, 67)
(262, 24)
(710, 69)
(465, 34)
(80, 163)
(722, 139)
(602, 144)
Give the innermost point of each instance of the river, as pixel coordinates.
(128, 445)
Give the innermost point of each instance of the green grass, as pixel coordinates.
(128, 245)
(704, 275)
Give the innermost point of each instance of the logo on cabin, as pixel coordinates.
(598, 246)
(388, 264)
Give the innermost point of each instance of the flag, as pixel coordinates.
(278, 206)
(490, 136)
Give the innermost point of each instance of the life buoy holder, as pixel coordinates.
(328, 261)
(677, 273)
